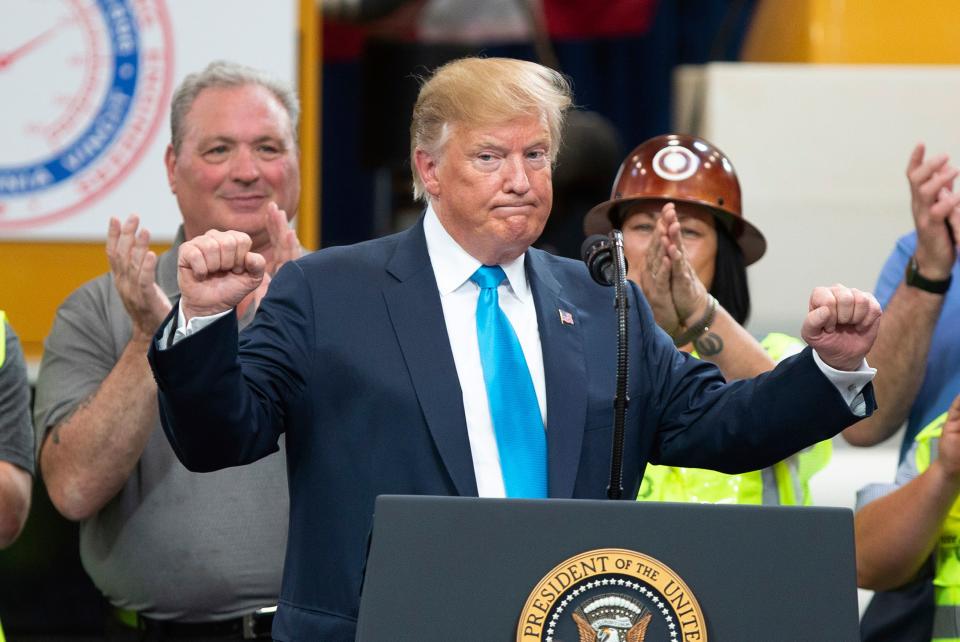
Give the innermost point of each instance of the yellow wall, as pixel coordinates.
(855, 32)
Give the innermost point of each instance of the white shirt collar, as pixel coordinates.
(453, 266)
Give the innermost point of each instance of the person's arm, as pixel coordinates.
(753, 423)
(900, 356)
(900, 353)
(16, 438)
(726, 343)
(86, 458)
(15, 485)
(895, 534)
(223, 404)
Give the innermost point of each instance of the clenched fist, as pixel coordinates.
(216, 271)
(841, 325)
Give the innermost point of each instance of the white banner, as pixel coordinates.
(86, 90)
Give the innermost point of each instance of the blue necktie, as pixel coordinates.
(521, 439)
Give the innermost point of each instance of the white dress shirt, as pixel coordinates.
(452, 267)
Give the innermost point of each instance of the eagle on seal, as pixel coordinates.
(612, 618)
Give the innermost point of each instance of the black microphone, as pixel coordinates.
(607, 265)
(597, 253)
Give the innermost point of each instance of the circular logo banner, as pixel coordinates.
(88, 83)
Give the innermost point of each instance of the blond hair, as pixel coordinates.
(485, 91)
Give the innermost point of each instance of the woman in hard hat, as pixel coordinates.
(684, 189)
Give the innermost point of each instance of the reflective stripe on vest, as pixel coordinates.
(946, 579)
(785, 483)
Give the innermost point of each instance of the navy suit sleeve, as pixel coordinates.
(223, 401)
(705, 422)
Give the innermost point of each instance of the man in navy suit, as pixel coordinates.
(373, 361)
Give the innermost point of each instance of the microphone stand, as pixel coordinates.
(621, 399)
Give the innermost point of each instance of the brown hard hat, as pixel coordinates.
(679, 169)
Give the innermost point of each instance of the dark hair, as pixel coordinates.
(730, 277)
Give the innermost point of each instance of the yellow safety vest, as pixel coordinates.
(946, 579)
(785, 483)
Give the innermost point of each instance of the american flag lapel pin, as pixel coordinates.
(565, 317)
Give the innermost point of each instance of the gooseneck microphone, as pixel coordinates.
(607, 266)
(597, 253)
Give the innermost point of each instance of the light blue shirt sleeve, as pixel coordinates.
(906, 473)
(893, 270)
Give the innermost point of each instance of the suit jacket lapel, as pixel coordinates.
(414, 306)
(564, 368)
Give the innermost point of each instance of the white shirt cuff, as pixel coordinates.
(185, 328)
(849, 383)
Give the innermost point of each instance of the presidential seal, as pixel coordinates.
(87, 84)
(611, 595)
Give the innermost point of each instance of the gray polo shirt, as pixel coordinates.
(16, 432)
(172, 544)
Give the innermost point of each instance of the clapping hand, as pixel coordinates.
(134, 269)
(672, 287)
(656, 279)
(936, 212)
